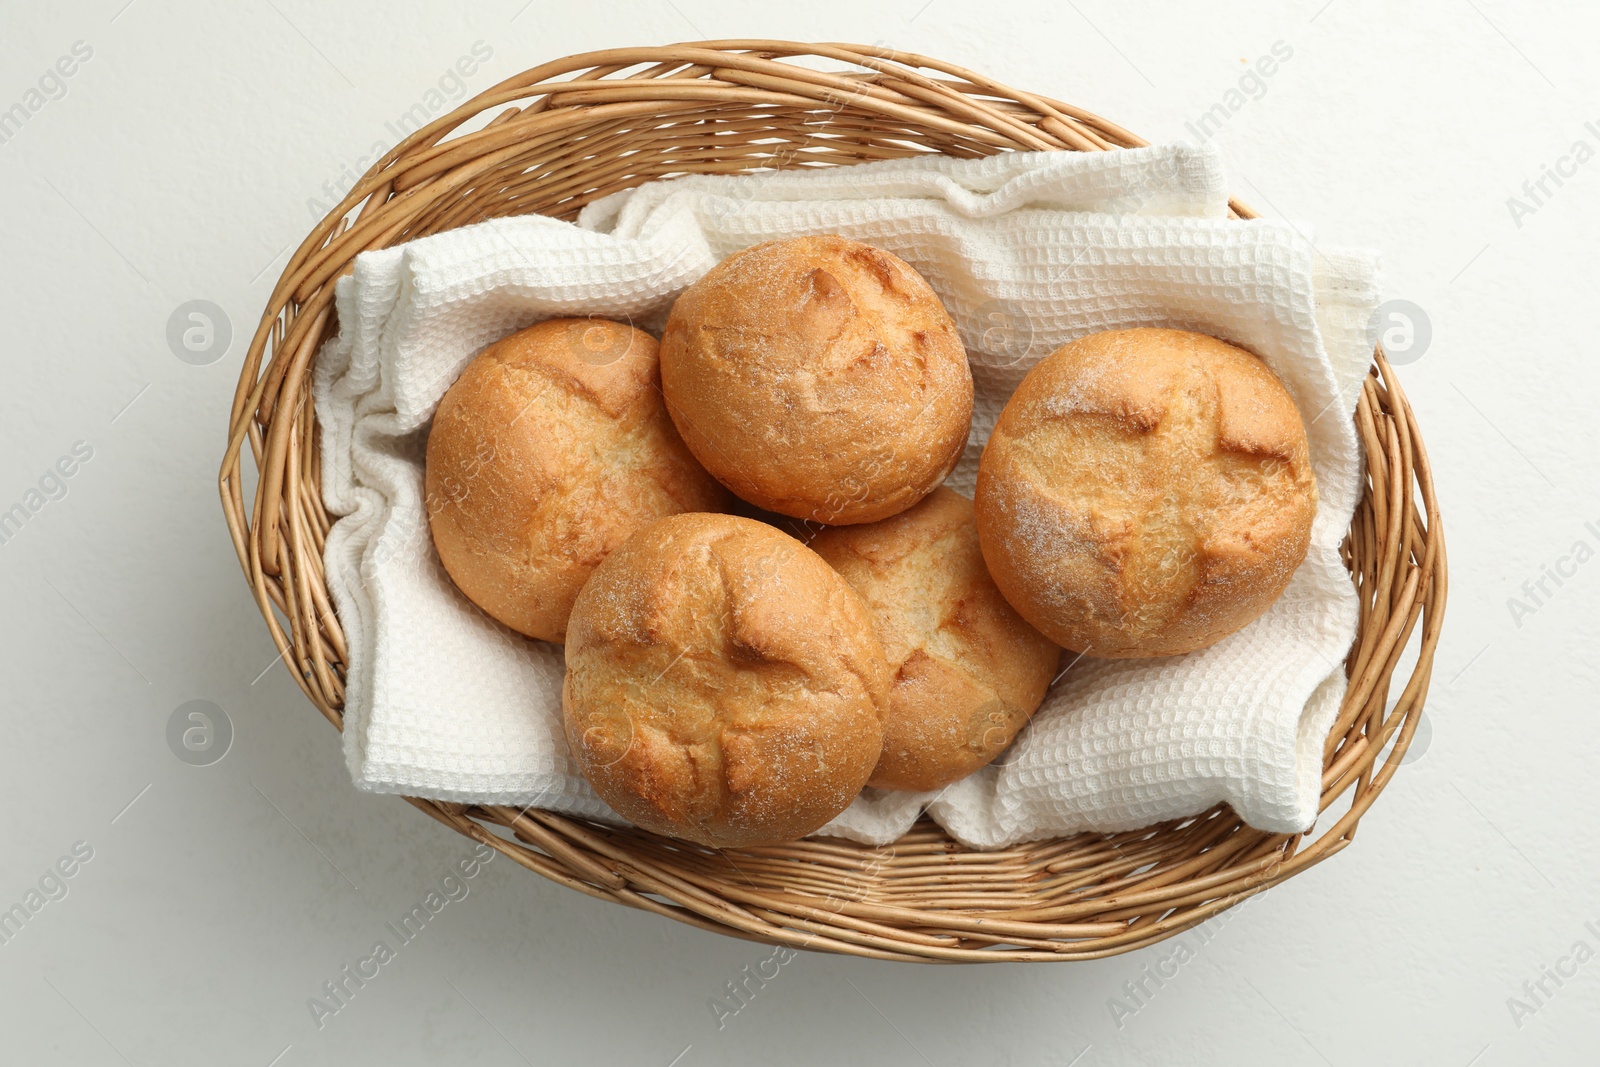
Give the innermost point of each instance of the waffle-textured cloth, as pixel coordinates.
(1028, 251)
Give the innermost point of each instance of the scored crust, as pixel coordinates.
(723, 684)
(551, 449)
(819, 378)
(1145, 493)
(968, 670)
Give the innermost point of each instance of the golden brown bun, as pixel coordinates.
(968, 671)
(1145, 493)
(551, 449)
(724, 685)
(819, 378)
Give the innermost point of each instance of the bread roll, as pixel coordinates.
(723, 685)
(818, 378)
(1145, 493)
(550, 449)
(968, 671)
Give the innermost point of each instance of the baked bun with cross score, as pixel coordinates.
(819, 378)
(1145, 492)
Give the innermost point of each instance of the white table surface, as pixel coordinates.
(177, 163)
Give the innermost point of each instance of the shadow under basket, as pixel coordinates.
(553, 139)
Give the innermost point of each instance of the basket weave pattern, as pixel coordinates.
(553, 139)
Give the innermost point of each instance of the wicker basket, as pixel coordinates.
(558, 136)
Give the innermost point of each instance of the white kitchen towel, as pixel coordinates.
(1028, 251)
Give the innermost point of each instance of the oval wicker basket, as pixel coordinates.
(556, 137)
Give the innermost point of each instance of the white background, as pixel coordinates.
(178, 166)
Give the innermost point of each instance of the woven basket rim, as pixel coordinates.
(560, 135)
